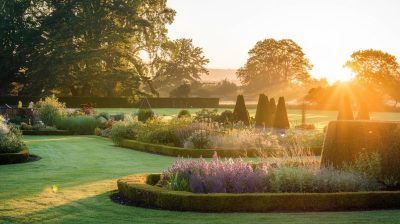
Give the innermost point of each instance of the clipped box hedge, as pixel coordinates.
(19, 157)
(345, 140)
(197, 153)
(139, 189)
(46, 132)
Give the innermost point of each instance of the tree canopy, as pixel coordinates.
(273, 63)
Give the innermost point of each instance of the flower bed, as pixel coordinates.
(140, 189)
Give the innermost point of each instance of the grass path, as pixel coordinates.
(76, 175)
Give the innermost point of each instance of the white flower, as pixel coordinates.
(4, 129)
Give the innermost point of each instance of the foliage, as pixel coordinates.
(183, 113)
(281, 120)
(145, 115)
(50, 110)
(10, 139)
(345, 111)
(184, 132)
(226, 117)
(302, 138)
(161, 132)
(273, 63)
(262, 111)
(240, 113)
(126, 129)
(182, 91)
(272, 106)
(199, 140)
(206, 115)
(82, 125)
(217, 176)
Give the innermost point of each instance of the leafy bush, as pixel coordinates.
(184, 132)
(206, 115)
(302, 138)
(50, 110)
(105, 115)
(82, 125)
(97, 131)
(25, 126)
(183, 113)
(10, 139)
(126, 129)
(162, 132)
(226, 117)
(200, 139)
(145, 115)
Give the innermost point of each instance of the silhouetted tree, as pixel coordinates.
(260, 111)
(363, 113)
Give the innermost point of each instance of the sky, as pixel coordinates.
(327, 30)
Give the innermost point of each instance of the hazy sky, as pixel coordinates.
(328, 31)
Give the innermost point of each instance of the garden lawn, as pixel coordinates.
(77, 174)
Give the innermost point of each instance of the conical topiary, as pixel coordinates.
(260, 112)
(267, 114)
(281, 120)
(272, 105)
(345, 111)
(363, 113)
(240, 112)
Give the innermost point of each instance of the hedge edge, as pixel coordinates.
(139, 190)
(196, 153)
(10, 158)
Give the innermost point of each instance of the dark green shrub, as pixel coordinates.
(17, 120)
(363, 113)
(345, 111)
(206, 115)
(118, 117)
(181, 91)
(272, 106)
(240, 113)
(105, 115)
(81, 125)
(145, 115)
(260, 111)
(183, 113)
(281, 120)
(226, 117)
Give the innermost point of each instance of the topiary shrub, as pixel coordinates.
(345, 141)
(184, 113)
(281, 120)
(240, 113)
(272, 105)
(50, 110)
(363, 113)
(345, 111)
(261, 111)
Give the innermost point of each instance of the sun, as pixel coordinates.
(341, 75)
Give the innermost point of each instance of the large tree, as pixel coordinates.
(378, 70)
(181, 63)
(274, 63)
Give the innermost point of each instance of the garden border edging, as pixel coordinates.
(11, 158)
(139, 190)
(194, 153)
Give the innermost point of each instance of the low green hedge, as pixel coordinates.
(19, 157)
(197, 153)
(139, 190)
(46, 132)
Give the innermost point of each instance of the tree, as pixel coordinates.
(281, 120)
(272, 106)
(273, 63)
(240, 112)
(377, 70)
(181, 91)
(182, 61)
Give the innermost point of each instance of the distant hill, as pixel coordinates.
(217, 75)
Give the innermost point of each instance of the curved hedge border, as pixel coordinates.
(46, 132)
(195, 153)
(139, 190)
(19, 157)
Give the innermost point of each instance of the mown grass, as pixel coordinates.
(77, 174)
